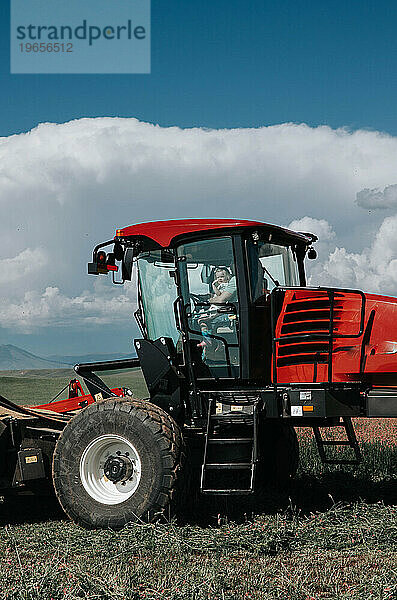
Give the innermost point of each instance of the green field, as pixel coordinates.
(333, 536)
(39, 387)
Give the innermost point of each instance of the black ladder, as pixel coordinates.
(221, 461)
(351, 441)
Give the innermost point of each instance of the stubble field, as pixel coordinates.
(333, 536)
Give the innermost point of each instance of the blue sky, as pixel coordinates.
(232, 64)
(217, 65)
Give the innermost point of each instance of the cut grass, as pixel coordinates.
(343, 553)
(332, 537)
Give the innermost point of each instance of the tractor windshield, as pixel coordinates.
(157, 293)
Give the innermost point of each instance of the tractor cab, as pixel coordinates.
(204, 290)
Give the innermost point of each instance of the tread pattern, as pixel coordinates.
(166, 435)
(169, 435)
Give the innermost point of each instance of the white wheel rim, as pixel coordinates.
(92, 474)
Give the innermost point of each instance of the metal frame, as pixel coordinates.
(350, 442)
(331, 336)
(94, 383)
(180, 309)
(220, 466)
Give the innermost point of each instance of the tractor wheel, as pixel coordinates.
(117, 461)
(278, 454)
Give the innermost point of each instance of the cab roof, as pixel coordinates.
(166, 233)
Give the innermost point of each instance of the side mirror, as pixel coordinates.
(118, 251)
(103, 262)
(127, 264)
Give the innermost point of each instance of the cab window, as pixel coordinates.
(271, 265)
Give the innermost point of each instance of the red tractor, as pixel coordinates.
(236, 351)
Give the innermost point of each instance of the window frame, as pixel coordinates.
(183, 283)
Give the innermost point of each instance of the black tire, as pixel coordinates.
(278, 455)
(157, 442)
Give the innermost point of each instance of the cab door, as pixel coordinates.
(210, 302)
(269, 266)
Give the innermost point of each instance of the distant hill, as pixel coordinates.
(13, 358)
(86, 358)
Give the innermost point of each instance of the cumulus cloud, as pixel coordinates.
(321, 228)
(23, 264)
(324, 246)
(66, 187)
(51, 308)
(377, 198)
(372, 270)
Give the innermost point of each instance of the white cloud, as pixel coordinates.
(54, 309)
(372, 270)
(324, 246)
(320, 227)
(20, 266)
(66, 187)
(377, 199)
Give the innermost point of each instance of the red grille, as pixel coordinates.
(307, 313)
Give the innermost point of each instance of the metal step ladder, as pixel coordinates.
(351, 441)
(239, 471)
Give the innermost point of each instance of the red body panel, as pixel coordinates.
(63, 406)
(163, 232)
(370, 357)
(381, 350)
